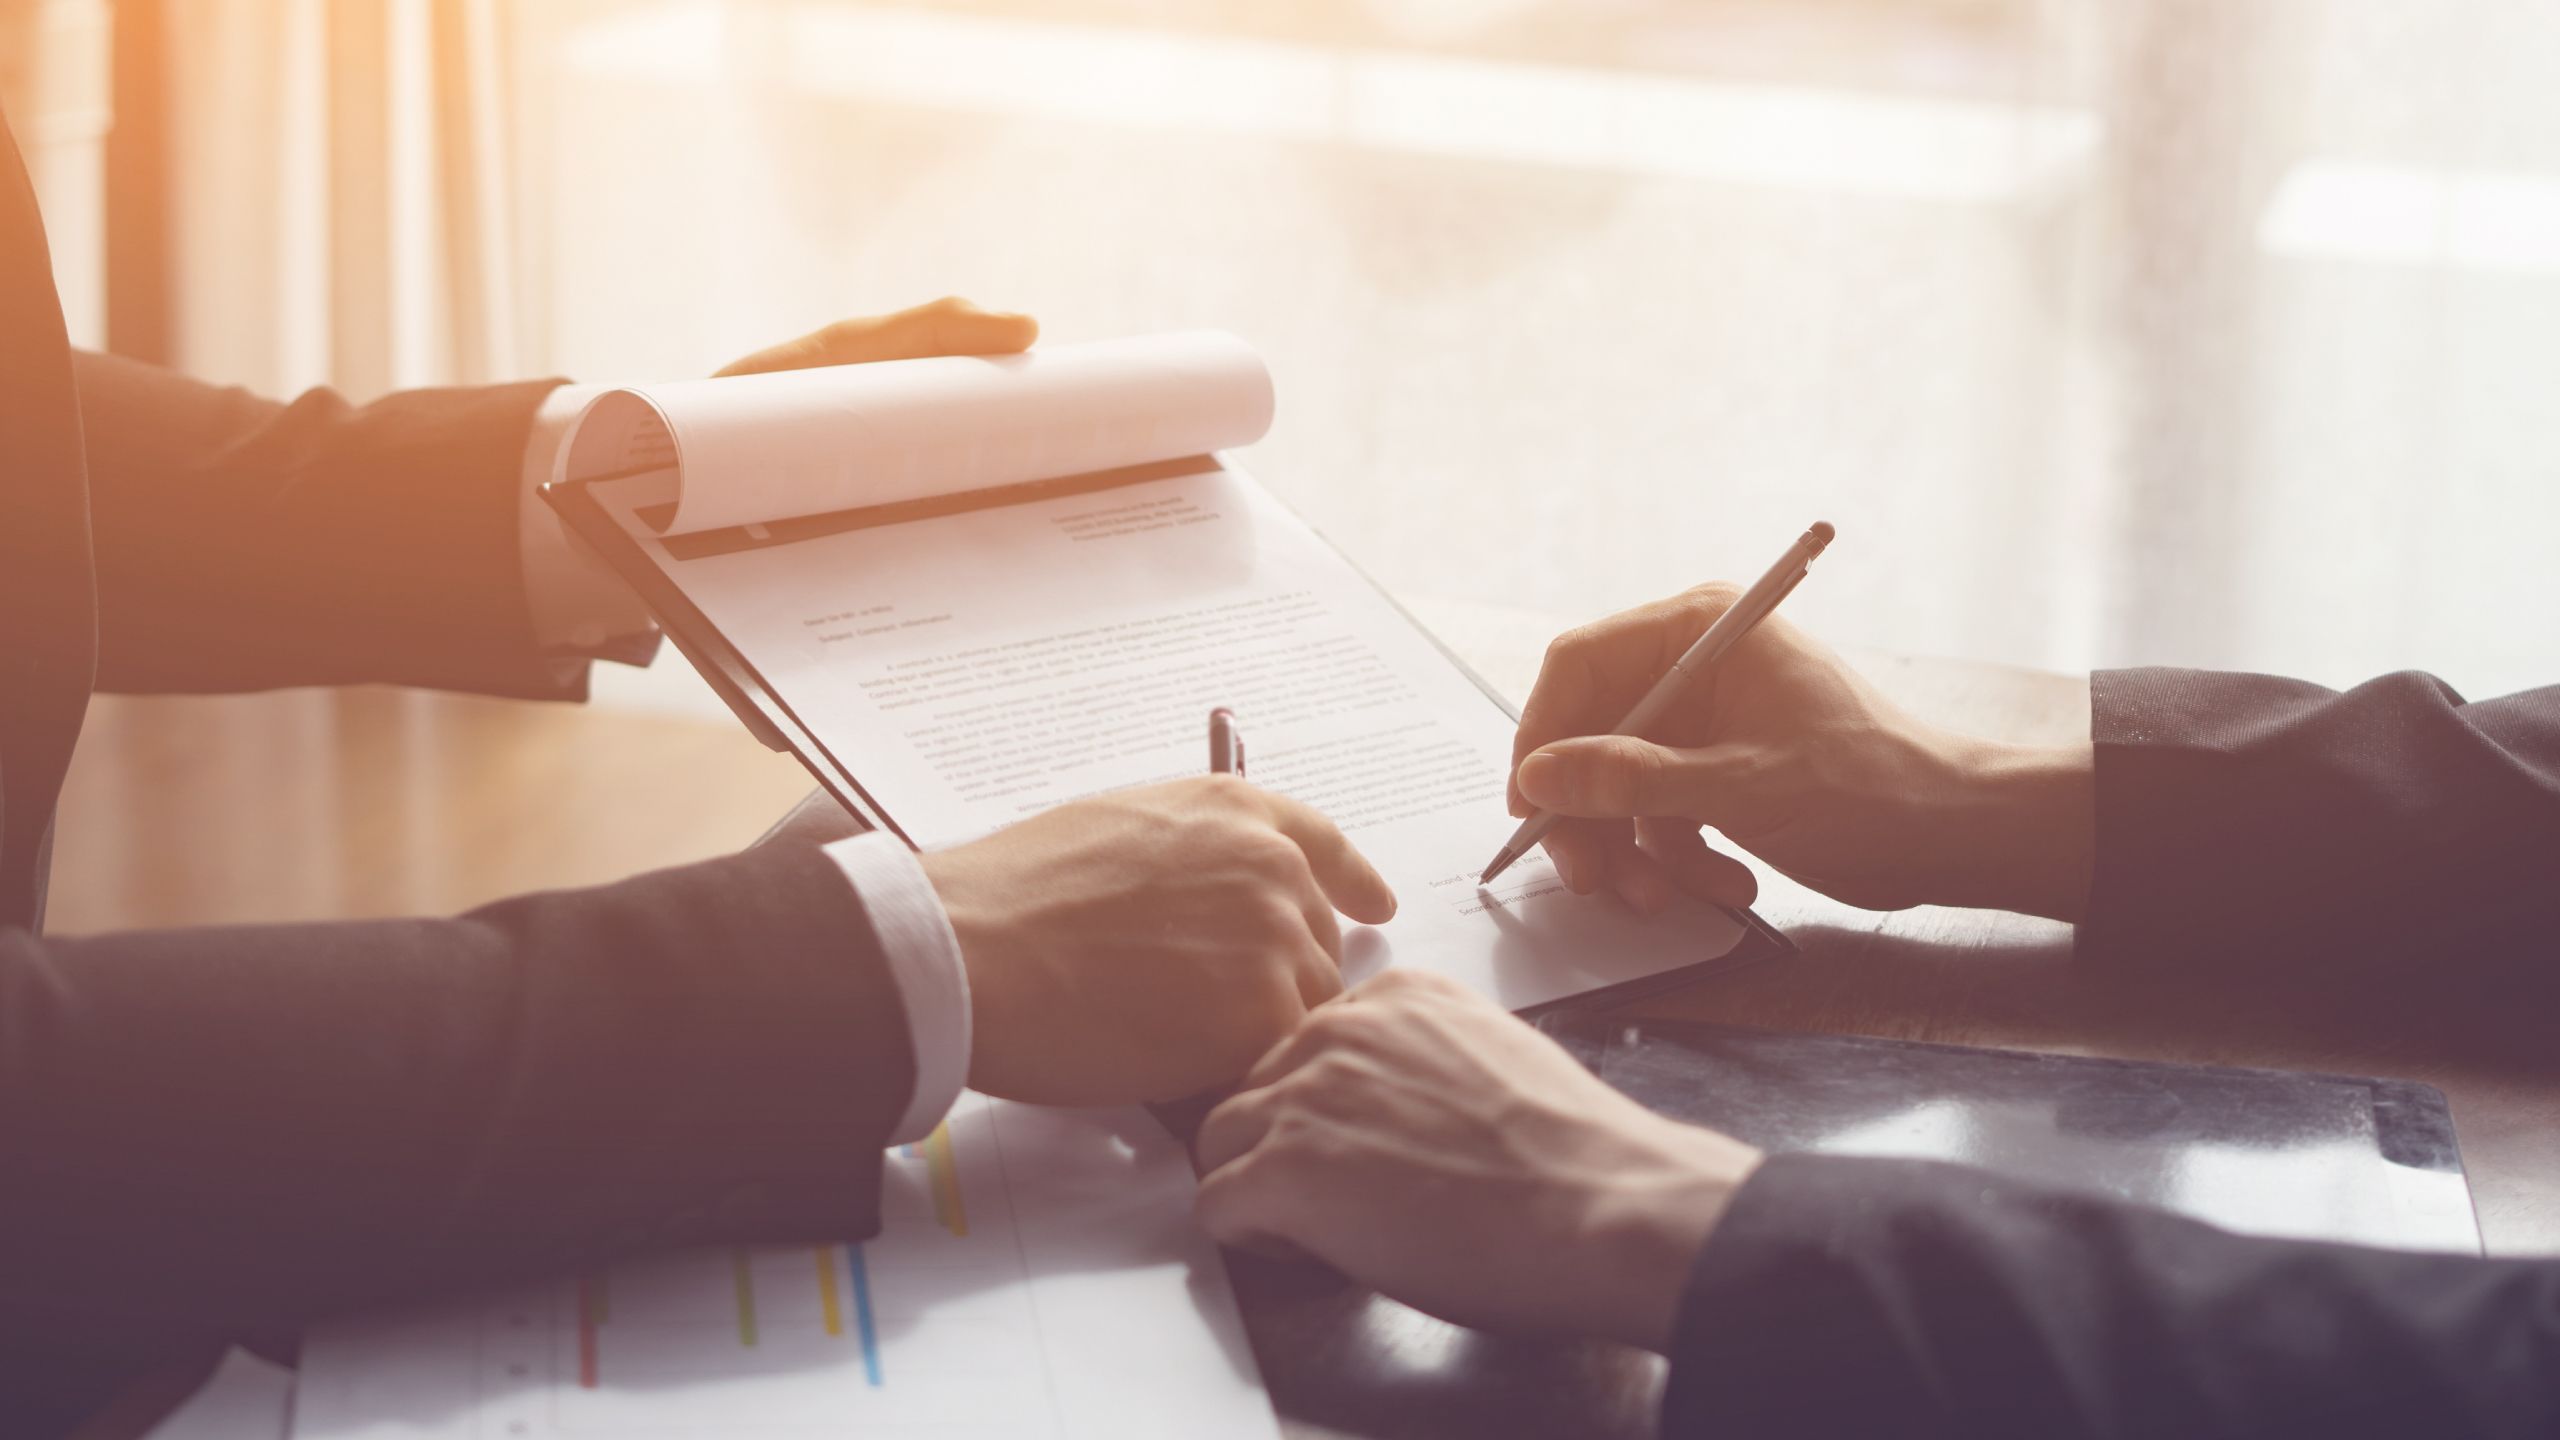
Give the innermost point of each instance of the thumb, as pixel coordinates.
(1235, 1206)
(1606, 777)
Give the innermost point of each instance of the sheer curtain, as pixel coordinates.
(2109, 331)
(2334, 321)
(338, 211)
(54, 80)
(340, 205)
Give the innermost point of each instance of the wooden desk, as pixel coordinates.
(322, 804)
(307, 805)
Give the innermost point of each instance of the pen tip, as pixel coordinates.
(1501, 861)
(1821, 533)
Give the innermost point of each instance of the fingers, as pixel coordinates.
(1310, 1038)
(1370, 1018)
(1247, 1158)
(1635, 877)
(1348, 880)
(1586, 681)
(1620, 776)
(1237, 1202)
(1593, 675)
(949, 326)
(1349, 1021)
(1238, 1205)
(1316, 964)
(952, 326)
(1380, 1018)
(1580, 852)
(1233, 1128)
(1596, 856)
(1317, 970)
(1695, 867)
(1322, 927)
(1317, 870)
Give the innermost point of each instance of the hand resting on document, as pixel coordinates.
(1797, 759)
(1413, 1128)
(1149, 944)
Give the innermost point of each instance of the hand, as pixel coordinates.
(1800, 761)
(1148, 945)
(1421, 1140)
(948, 326)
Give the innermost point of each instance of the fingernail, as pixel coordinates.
(1542, 778)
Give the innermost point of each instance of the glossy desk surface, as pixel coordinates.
(311, 804)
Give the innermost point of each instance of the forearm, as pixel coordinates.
(1844, 1296)
(2215, 812)
(212, 1129)
(242, 543)
(2015, 826)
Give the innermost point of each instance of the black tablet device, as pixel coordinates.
(2320, 1157)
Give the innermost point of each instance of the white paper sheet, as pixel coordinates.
(1037, 1275)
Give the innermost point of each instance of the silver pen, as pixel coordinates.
(1732, 625)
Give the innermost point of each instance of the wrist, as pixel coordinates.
(1645, 1227)
(2019, 824)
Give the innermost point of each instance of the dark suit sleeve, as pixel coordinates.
(1889, 1297)
(2241, 820)
(244, 544)
(2248, 820)
(215, 1131)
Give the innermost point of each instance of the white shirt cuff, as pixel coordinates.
(576, 601)
(924, 962)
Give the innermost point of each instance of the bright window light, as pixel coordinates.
(1826, 140)
(2345, 210)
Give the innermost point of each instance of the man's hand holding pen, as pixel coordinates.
(1794, 757)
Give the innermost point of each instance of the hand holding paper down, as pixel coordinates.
(1150, 943)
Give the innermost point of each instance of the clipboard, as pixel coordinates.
(612, 515)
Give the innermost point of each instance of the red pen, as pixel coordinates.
(1226, 743)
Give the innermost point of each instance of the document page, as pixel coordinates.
(1036, 1275)
(975, 668)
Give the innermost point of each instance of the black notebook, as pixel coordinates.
(2315, 1157)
